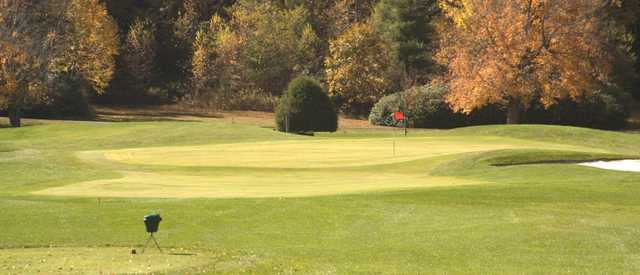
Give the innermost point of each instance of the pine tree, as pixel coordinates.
(406, 25)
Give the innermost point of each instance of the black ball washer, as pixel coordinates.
(151, 223)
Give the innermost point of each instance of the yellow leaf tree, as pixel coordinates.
(511, 52)
(140, 53)
(25, 46)
(93, 42)
(41, 39)
(358, 69)
(346, 13)
(215, 51)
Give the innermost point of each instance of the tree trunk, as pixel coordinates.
(14, 110)
(14, 117)
(513, 112)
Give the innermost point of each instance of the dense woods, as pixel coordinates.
(536, 61)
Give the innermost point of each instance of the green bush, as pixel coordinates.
(605, 109)
(382, 111)
(424, 105)
(611, 109)
(306, 107)
(67, 99)
(426, 108)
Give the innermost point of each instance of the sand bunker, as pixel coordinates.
(618, 165)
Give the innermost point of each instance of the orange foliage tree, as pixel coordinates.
(41, 39)
(24, 49)
(512, 52)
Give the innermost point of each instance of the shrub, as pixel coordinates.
(384, 108)
(67, 99)
(604, 109)
(306, 107)
(426, 108)
(611, 109)
(424, 105)
(248, 100)
(241, 100)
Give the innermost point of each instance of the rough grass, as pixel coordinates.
(483, 219)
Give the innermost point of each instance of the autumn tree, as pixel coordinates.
(407, 26)
(358, 69)
(24, 52)
(346, 13)
(39, 40)
(214, 62)
(190, 19)
(512, 52)
(140, 52)
(279, 44)
(193, 14)
(90, 43)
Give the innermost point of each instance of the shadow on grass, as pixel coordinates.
(182, 254)
(153, 113)
(109, 118)
(4, 123)
(147, 115)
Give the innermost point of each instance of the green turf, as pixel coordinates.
(467, 201)
(104, 260)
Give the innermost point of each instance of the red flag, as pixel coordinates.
(399, 116)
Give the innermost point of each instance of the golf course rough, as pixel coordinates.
(244, 199)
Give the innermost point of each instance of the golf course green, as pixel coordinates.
(238, 198)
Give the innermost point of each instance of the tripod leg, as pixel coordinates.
(145, 244)
(157, 245)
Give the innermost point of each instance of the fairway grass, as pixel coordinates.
(286, 168)
(255, 185)
(245, 199)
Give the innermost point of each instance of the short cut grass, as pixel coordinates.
(243, 199)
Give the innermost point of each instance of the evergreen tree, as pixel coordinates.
(406, 26)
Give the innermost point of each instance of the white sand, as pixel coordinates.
(618, 165)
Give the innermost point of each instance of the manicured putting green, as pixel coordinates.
(314, 153)
(100, 260)
(295, 168)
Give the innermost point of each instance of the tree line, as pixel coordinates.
(242, 54)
